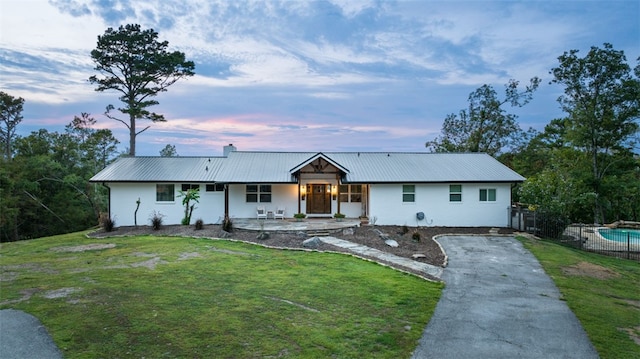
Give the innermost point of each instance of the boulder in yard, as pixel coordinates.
(391, 243)
(313, 242)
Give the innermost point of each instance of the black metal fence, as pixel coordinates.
(619, 242)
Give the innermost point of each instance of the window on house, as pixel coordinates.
(455, 193)
(188, 186)
(351, 193)
(487, 195)
(408, 193)
(258, 193)
(165, 192)
(214, 187)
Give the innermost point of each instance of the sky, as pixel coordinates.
(337, 75)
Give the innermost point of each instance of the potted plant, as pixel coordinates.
(299, 216)
(339, 216)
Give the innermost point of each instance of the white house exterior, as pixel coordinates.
(390, 188)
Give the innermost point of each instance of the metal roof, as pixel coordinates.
(261, 167)
(420, 167)
(160, 169)
(280, 167)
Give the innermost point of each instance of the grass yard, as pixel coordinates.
(160, 297)
(603, 292)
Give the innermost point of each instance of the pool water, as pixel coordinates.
(621, 235)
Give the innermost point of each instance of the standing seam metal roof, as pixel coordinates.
(275, 167)
(160, 169)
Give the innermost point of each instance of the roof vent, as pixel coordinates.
(228, 149)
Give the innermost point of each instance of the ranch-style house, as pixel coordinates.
(389, 188)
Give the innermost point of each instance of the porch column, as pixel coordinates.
(299, 200)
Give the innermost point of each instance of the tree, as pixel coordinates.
(169, 151)
(484, 126)
(10, 115)
(134, 63)
(602, 100)
(189, 195)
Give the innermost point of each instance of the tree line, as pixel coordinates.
(583, 167)
(44, 177)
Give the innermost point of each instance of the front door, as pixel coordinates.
(319, 199)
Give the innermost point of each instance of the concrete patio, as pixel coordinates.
(293, 225)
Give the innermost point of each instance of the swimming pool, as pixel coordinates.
(621, 235)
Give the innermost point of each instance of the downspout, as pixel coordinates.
(109, 198)
(226, 201)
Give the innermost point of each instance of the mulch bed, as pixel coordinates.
(429, 250)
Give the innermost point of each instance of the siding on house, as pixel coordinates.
(433, 200)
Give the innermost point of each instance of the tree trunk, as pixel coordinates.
(132, 136)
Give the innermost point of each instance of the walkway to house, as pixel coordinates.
(308, 224)
(499, 303)
(328, 224)
(433, 271)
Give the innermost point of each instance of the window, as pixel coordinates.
(351, 193)
(487, 195)
(259, 193)
(408, 193)
(188, 186)
(214, 187)
(455, 193)
(165, 192)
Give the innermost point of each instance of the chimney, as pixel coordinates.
(227, 149)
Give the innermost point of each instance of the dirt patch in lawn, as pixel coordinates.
(85, 247)
(634, 333)
(590, 270)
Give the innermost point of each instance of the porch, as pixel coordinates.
(292, 225)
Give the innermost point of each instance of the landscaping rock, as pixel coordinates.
(225, 234)
(301, 234)
(391, 243)
(313, 243)
(378, 232)
(262, 236)
(418, 256)
(347, 232)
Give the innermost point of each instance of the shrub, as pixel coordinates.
(339, 215)
(227, 225)
(299, 215)
(107, 223)
(405, 229)
(415, 236)
(156, 220)
(199, 224)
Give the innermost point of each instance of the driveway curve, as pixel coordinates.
(499, 303)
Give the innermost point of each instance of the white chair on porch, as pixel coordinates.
(261, 213)
(279, 213)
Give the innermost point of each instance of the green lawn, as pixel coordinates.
(603, 292)
(160, 297)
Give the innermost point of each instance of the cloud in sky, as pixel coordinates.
(305, 75)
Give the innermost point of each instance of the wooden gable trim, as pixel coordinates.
(319, 157)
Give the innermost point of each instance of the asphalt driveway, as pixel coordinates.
(23, 336)
(499, 303)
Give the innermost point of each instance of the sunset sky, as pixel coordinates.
(338, 75)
